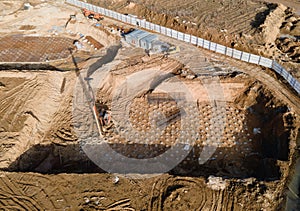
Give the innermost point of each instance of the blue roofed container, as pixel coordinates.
(146, 42)
(159, 46)
(135, 37)
(130, 37)
(140, 36)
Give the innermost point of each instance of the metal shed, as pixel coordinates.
(159, 46)
(146, 42)
(135, 37)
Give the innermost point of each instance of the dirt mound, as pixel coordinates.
(271, 26)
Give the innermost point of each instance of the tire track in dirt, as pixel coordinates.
(31, 192)
(171, 193)
(9, 192)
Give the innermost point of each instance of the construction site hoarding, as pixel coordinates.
(200, 42)
(220, 49)
(245, 57)
(229, 52)
(157, 28)
(194, 40)
(143, 24)
(213, 46)
(163, 30)
(254, 59)
(187, 38)
(237, 54)
(206, 44)
(266, 62)
(168, 32)
(174, 34)
(180, 36)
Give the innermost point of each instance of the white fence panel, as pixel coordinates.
(254, 59)
(89, 6)
(119, 16)
(292, 81)
(133, 21)
(98, 10)
(123, 18)
(180, 36)
(128, 19)
(143, 23)
(110, 13)
(114, 14)
(213, 46)
(152, 26)
(237, 54)
(104, 11)
(147, 25)
(297, 87)
(194, 40)
(138, 21)
(107, 12)
(81, 4)
(174, 34)
(157, 28)
(284, 74)
(265, 62)
(163, 30)
(206, 44)
(200, 42)
(277, 67)
(221, 49)
(94, 8)
(245, 56)
(168, 32)
(187, 38)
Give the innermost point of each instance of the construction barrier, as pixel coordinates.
(240, 55)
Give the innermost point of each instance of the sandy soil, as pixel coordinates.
(42, 159)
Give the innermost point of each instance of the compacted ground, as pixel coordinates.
(246, 114)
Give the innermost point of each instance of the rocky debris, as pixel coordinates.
(216, 183)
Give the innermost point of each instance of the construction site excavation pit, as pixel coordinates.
(250, 131)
